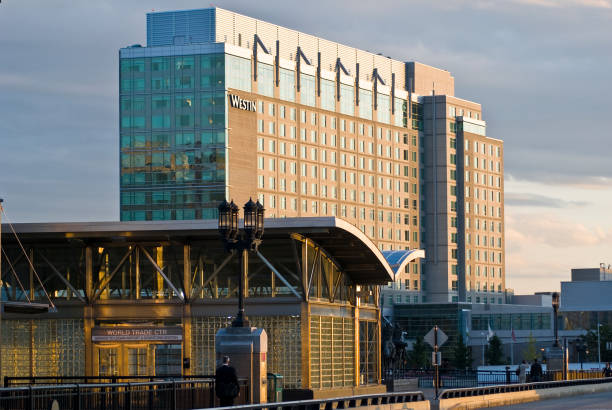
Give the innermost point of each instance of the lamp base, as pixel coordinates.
(241, 321)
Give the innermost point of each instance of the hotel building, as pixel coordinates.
(221, 105)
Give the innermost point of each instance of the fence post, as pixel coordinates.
(78, 397)
(151, 396)
(30, 398)
(173, 394)
(128, 396)
(211, 393)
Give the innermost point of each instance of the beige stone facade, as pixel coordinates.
(306, 161)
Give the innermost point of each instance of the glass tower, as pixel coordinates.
(172, 131)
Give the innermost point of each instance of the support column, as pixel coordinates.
(88, 321)
(305, 333)
(305, 322)
(357, 348)
(137, 271)
(187, 309)
(1, 285)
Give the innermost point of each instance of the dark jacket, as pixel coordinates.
(226, 382)
(536, 372)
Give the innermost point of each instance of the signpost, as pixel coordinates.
(436, 338)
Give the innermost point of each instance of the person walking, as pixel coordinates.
(522, 375)
(607, 371)
(226, 383)
(536, 371)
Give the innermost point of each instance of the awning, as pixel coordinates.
(398, 259)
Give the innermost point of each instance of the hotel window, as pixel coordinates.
(347, 99)
(265, 79)
(287, 85)
(307, 90)
(328, 94)
(384, 109)
(365, 106)
(238, 72)
(271, 128)
(401, 112)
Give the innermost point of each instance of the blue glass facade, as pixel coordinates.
(172, 133)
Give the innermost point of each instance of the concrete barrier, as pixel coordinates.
(506, 399)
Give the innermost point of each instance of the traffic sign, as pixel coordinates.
(430, 337)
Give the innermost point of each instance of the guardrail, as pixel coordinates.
(510, 388)
(339, 402)
(164, 395)
(25, 380)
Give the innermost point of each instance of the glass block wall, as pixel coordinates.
(43, 348)
(332, 352)
(284, 345)
(172, 136)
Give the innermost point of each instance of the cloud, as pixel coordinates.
(529, 199)
(543, 230)
(600, 4)
(36, 84)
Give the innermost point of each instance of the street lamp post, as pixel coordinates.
(598, 343)
(243, 242)
(555, 305)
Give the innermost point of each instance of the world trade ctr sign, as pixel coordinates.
(241, 103)
(137, 333)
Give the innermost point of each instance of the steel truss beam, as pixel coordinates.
(278, 275)
(62, 278)
(163, 275)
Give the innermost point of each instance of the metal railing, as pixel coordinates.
(159, 395)
(480, 378)
(510, 388)
(339, 402)
(25, 380)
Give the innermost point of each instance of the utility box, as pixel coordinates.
(247, 348)
(275, 387)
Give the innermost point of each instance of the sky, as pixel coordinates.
(540, 68)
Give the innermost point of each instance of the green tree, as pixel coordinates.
(418, 356)
(495, 354)
(605, 335)
(462, 355)
(531, 351)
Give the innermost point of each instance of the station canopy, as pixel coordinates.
(354, 252)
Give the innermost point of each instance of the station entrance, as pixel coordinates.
(140, 359)
(137, 351)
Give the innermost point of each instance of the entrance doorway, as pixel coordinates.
(138, 359)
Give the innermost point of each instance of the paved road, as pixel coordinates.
(600, 401)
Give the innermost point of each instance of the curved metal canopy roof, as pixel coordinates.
(398, 259)
(350, 247)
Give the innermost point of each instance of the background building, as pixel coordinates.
(220, 105)
(586, 300)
